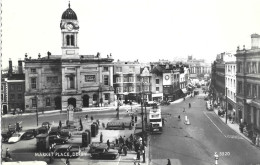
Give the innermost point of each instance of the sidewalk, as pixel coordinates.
(90, 109)
(233, 126)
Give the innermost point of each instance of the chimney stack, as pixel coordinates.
(255, 41)
(10, 71)
(20, 66)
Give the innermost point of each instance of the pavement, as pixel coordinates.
(234, 126)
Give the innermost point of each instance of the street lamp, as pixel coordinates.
(142, 101)
(36, 101)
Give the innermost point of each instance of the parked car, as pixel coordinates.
(15, 137)
(67, 151)
(46, 124)
(42, 130)
(101, 152)
(65, 133)
(6, 135)
(55, 131)
(165, 102)
(29, 134)
(57, 139)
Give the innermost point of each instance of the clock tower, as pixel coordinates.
(69, 31)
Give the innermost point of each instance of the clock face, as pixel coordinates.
(167, 77)
(69, 26)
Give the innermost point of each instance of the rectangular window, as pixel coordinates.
(254, 91)
(34, 103)
(106, 82)
(125, 79)
(119, 69)
(20, 96)
(2, 97)
(131, 68)
(118, 79)
(157, 89)
(254, 67)
(131, 79)
(12, 97)
(12, 87)
(106, 96)
(105, 69)
(146, 80)
(119, 90)
(130, 89)
(48, 102)
(90, 78)
(157, 81)
(146, 88)
(248, 67)
(2, 87)
(125, 89)
(239, 88)
(19, 87)
(33, 82)
(33, 70)
(248, 88)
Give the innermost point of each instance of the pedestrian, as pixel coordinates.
(67, 161)
(91, 118)
(130, 145)
(131, 137)
(60, 124)
(127, 142)
(116, 141)
(169, 162)
(120, 140)
(183, 109)
(108, 144)
(101, 137)
(7, 154)
(189, 105)
(179, 117)
(125, 149)
(86, 117)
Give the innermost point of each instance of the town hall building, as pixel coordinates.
(57, 81)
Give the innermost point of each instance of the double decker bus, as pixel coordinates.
(155, 120)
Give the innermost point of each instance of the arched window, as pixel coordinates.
(72, 40)
(68, 40)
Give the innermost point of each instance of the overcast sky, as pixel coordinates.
(147, 30)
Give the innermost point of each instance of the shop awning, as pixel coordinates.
(157, 95)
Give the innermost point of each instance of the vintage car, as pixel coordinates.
(16, 137)
(102, 152)
(46, 124)
(57, 139)
(6, 135)
(67, 151)
(65, 133)
(29, 134)
(54, 131)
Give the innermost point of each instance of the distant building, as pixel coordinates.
(12, 90)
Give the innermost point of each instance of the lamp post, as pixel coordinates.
(142, 102)
(36, 100)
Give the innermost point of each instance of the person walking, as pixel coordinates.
(169, 162)
(91, 118)
(125, 149)
(67, 161)
(189, 105)
(7, 154)
(101, 137)
(108, 144)
(60, 124)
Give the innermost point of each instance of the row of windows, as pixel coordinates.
(230, 83)
(119, 69)
(231, 69)
(251, 67)
(13, 96)
(252, 90)
(18, 87)
(132, 89)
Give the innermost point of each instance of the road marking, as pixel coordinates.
(233, 137)
(119, 160)
(214, 124)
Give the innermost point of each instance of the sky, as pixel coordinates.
(147, 30)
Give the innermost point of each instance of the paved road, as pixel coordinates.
(197, 143)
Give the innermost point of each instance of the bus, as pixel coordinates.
(155, 120)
